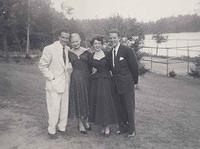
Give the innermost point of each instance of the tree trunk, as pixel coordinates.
(5, 46)
(28, 32)
(18, 42)
(157, 50)
(28, 42)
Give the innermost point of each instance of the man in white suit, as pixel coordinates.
(55, 67)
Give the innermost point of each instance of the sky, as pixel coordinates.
(142, 10)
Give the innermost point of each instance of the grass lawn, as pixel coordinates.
(167, 114)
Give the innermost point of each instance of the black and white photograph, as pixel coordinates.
(100, 74)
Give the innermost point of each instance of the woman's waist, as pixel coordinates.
(75, 70)
(82, 73)
(101, 74)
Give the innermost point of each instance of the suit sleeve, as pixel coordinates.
(69, 57)
(133, 64)
(108, 59)
(90, 62)
(44, 63)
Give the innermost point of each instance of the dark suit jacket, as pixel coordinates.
(125, 72)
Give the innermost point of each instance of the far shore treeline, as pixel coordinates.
(45, 22)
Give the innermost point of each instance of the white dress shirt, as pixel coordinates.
(114, 53)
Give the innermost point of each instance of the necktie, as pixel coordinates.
(114, 57)
(64, 56)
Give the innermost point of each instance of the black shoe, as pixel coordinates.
(131, 135)
(102, 132)
(62, 133)
(122, 130)
(52, 136)
(83, 131)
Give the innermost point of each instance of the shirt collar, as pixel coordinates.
(116, 49)
(59, 45)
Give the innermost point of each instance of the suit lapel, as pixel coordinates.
(118, 56)
(67, 60)
(59, 54)
(60, 58)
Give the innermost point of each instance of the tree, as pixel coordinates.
(14, 22)
(181, 23)
(159, 38)
(6, 22)
(195, 72)
(45, 21)
(136, 44)
(66, 9)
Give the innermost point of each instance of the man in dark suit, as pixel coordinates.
(124, 68)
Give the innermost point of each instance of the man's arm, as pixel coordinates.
(133, 64)
(44, 63)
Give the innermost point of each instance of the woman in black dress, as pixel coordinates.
(102, 110)
(79, 83)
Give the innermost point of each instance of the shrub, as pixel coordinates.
(172, 74)
(195, 72)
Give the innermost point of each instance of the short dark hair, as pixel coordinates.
(58, 32)
(98, 38)
(114, 30)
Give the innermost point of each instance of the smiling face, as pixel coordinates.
(75, 41)
(97, 45)
(114, 39)
(64, 38)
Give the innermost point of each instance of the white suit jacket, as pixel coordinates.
(52, 66)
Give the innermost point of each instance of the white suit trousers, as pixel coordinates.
(57, 106)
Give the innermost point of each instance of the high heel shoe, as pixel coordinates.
(81, 128)
(87, 125)
(82, 131)
(102, 132)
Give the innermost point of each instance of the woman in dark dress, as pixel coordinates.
(102, 110)
(79, 83)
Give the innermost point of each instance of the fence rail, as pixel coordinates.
(178, 62)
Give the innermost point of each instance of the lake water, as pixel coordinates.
(176, 41)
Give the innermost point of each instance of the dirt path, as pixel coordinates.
(167, 114)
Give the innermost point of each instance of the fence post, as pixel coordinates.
(151, 60)
(167, 61)
(188, 59)
(176, 49)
